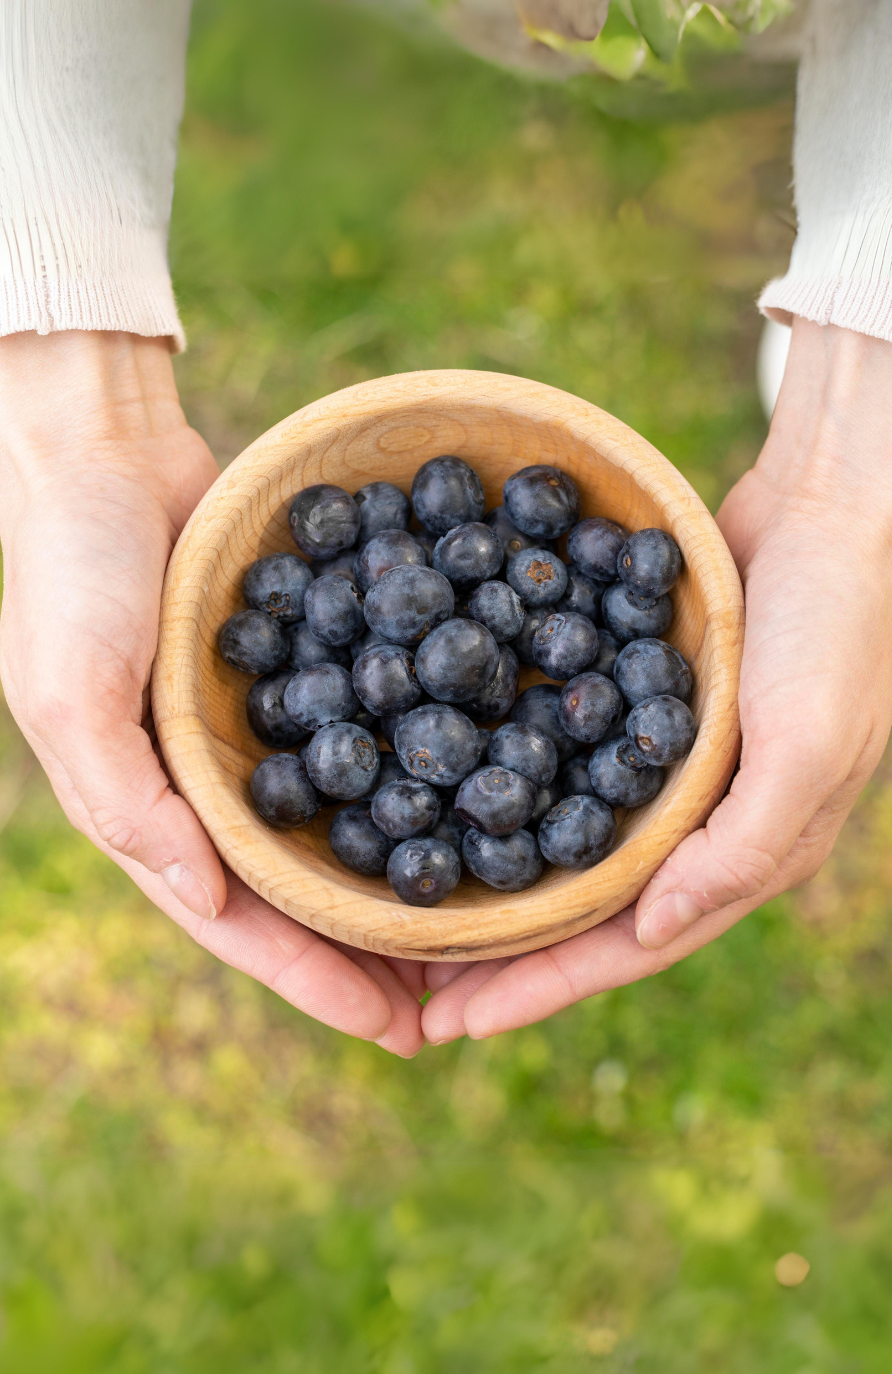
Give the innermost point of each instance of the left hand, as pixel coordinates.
(810, 528)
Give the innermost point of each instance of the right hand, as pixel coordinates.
(99, 472)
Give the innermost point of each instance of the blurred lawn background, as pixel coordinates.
(194, 1179)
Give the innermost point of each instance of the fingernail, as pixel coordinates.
(189, 890)
(668, 918)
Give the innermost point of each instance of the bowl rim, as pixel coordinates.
(521, 921)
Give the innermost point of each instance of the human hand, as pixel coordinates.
(810, 528)
(99, 472)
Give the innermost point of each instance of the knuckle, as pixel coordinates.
(747, 870)
(117, 832)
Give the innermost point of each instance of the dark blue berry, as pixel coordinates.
(386, 550)
(324, 520)
(340, 566)
(390, 770)
(334, 609)
(342, 760)
(649, 563)
(357, 841)
(578, 832)
(496, 800)
(564, 645)
(305, 650)
(511, 538)
(538, 706)
(590, 705)
(277, 585)
(538, 577)
(253, 643)
(662, 728)
(621, 776)
(583, 594)
(468, 554)
(367, 719)
(651, 668)
(499, 608)
(525, 750)
(319, 696)
(608, 648)
(574, 779)
(497, 699)
(359, 646)
(428, 541)
(485, 738)
(457, 661)
(423, 871)
(542, 501)
(404, 808)
(266, 712)
(408, 602)
(509, 863)
(447, 492)
(627, 617)
(450, 827)
(384, 679)
(594, 545)
(282, 792)
(547, 797)
(382, 506)
(523, 644)
(437, 744)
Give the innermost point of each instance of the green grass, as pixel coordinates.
(196, 1180)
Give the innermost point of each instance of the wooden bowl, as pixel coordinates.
(387, 429)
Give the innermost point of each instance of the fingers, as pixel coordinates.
(438, 975)
(443, 1018)
(403, 1034)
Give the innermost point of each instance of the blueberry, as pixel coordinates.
(485, 738)
(384, 679)
(583, 594)
(382, 506)
(608, 649)
(468, 554)
(389, 723)
(386, 550)
(574, 779)
(367, 719)
(320, 696)
(428, 541)
(564, 645)
(496, 800)
(649, 563)
(342, 760)
(404, 808)
(408, 602)
(523, 644)
(594, 545)
(357, 841)
(266, 713)
(423, 871)
(547, 797)
(650, 668)
(525, 750)
(334, 609)
(305, 650)
(499, 608)
(590, 705)
(507, 862)
(437, 744)
(497, 699)
(390, 770)
(282, 792)
(340, 566)
(538, 706)
(324, 520)
(252, 642)
(627, 617)
(278, 584)
(511, 538)
(457, 660)
(578, 832)
(663, 729)
(542, 501)
(359, 646)
(447, 492)
(324, 798)
(538, 577)
(450, 827)
(621, 776)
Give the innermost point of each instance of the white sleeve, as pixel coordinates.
(841, 266)
(91, 93)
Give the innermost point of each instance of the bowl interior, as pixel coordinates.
(498, 426)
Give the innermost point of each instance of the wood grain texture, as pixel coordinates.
(386, 429)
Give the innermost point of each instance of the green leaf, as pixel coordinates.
(660, 30)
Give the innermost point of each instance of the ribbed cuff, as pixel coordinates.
(852, 303)
(133, 305)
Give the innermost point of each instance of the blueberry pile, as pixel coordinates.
(417, 637)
